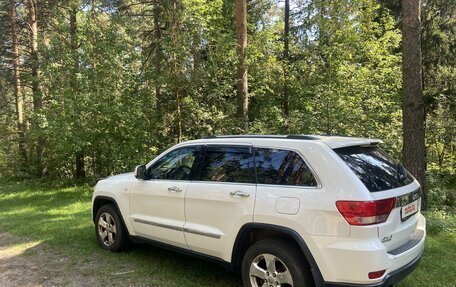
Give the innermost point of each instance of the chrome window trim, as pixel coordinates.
(225, 182)
(170, 180)
(289, 186)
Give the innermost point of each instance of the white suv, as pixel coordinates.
(282, 210)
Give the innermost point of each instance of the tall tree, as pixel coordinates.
(79, 155)
(242, 85)
(157, 51)
(176, 70)
(36, 85)
(413, 104)
(17, 83)
(286, 56)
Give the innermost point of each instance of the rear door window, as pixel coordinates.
(282, 167)
(228, 164)
(376, 169)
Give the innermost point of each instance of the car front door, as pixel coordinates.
(220, 200)
(157, 203)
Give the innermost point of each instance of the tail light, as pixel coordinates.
(366, 212)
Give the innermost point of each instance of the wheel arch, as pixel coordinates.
(101, 200)
(254, 232)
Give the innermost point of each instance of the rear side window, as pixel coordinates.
(228, 164)
(376, 170)
(282, 167)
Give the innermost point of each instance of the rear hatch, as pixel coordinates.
(386, 178)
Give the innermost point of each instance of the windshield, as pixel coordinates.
(376, 170)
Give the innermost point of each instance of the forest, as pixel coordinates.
(94, 87)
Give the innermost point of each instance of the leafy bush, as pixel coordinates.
(441, 188)
(440, 221)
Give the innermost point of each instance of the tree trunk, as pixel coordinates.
(179, 115)
(196, 51)
(157, 54)
(413, 104)
(176, 71)
(79, 154)
(36, 86)
(242, 86)
(17, 85)
(286, 53)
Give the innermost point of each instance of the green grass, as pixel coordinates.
(58, 218)
(438, 264)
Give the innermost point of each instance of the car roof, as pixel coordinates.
(333, 141)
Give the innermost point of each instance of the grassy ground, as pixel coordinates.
(58, 219)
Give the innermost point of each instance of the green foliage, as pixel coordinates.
(440, 221)
(439, 76)
(145, 75)
(442, 188)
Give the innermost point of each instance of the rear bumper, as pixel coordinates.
(390, 279)
(347, 263)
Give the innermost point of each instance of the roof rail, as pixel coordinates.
(301, 137)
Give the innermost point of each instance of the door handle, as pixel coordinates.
(239, 194)
(174, 189)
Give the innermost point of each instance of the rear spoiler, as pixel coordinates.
(348, 142)
(371, 144)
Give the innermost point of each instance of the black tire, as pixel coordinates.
(109, 229)
(291, 268)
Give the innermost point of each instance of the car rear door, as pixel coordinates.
(220, 200)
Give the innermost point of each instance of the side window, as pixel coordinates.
(228, 164)
(176, 165)
(282, 167)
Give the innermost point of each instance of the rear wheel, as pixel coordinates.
(275, 263)
(109, 229)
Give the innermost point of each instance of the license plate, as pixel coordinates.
(409, 210)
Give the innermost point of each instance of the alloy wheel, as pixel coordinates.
(107, 229)
(267, 270)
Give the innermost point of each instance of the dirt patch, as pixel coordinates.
(16, 267)
(35, 264)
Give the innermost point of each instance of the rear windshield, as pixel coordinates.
(375, 168)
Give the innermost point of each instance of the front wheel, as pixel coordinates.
(275, 263)
(109, 229)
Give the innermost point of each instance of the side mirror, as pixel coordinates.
(140, 171)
